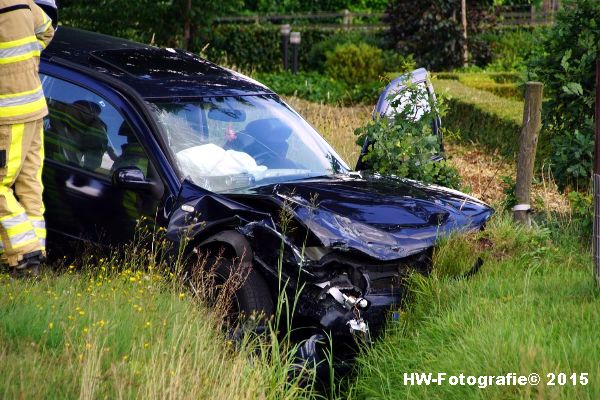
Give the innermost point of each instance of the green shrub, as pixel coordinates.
(294, 6)
(355, 63)
(497, 77)
(307, 85)
(512, 48)
(432, 31)
(567, 70)
(582, 210)
(320, 88)
(316, 56)
(482, 117)
(394, 61)
(404, 145)
(503, 84)
(256, 47)
(509, 90)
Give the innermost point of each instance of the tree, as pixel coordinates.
(167, 22)
(432, 30)
(566, 66)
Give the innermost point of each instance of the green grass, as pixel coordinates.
(482, 117)
(533, 307)
(128, 334)
(502, 84)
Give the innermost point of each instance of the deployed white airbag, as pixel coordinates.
(211, 160)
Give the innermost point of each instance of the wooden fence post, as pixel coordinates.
(596, 174)
(347, 19)
(532, 116)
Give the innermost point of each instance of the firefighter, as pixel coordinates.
(25, 30)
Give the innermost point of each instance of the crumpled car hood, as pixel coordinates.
(383, 217)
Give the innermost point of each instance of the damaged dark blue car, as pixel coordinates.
(136, 130)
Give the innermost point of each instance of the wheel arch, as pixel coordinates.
(234, 244)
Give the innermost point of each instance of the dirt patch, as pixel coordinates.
(482, 175)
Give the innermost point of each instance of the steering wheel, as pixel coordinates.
(254, 147)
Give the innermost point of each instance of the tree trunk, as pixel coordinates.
(465, 49)
(187, 25)
(527, 148)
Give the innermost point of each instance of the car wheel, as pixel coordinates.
(251, 295)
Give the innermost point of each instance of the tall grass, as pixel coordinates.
(336, 124)
(125, 327)
(533, 307)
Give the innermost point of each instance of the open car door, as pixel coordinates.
(393, 98)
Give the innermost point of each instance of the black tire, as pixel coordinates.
(253, 297)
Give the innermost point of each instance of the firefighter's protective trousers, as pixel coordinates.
(22, 227)
(25, 30)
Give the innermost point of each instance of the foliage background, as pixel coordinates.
(431, 30)
(567, 68)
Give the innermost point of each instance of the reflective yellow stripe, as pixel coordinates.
(39, 226)
(22, 57)
(13, 111)
(39, 172)
(44, 27)
(24, 242)
(20, 94)
(19, 229)
(14, 219)
(18, 42)
(13, 163)
(11, 202)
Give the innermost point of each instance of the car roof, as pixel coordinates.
(153, 72)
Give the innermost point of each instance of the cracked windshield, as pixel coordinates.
(229, 144)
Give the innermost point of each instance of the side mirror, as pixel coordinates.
(131, 178)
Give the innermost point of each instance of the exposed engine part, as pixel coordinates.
(187, 208)
(360, 327)
(348, 301)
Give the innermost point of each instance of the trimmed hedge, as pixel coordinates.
(258, 47)
(503, 84)
(482, 117)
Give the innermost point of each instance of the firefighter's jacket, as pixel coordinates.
(25, 30)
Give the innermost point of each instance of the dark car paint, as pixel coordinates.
(369, 228)
(360, 233)
(122, 59)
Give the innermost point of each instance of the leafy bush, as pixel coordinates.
(396, 62)
(145, 20)
(511, 49)
(317, 54)
(567, 70)
(256, 47)
(405, 144)
(432, 30)
(582, 210)
(307, 6)
(321, 88)
(355, 63)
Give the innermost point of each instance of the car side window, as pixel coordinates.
(84, 130)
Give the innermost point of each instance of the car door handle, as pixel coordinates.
(92, 190)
